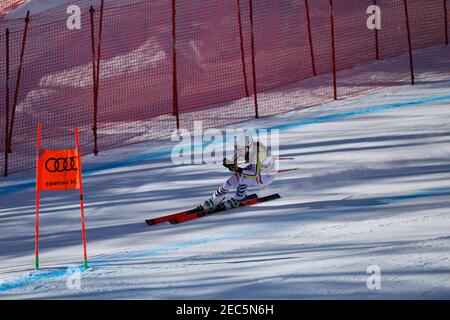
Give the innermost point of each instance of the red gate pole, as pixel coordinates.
(446, 22)
(19, 75)
(36, 240)
(377, 42)
(241, 42)
(176, 111)
(83, 227)
(7, 103)
(255, 90)
(97, 76)
(408, 28)
(333, 49)
(311, 47)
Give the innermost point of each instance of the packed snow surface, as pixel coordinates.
(373, 190)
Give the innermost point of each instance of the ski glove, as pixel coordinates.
(231, 166)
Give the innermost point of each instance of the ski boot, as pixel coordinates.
(232, 203)
(210, 204)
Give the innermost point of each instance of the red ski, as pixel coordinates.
(180, 214)
(170, 217)
(221, 208)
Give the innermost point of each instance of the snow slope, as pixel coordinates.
(20, 7)
(373, 190)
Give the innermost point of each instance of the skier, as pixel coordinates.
(253, 165)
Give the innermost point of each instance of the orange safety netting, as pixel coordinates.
(214, 75)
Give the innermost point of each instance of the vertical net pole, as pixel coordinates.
(19, 76)
(446, 22)
(83, 226)
(333, 50)
(311, 47)
(36, 239)
(94, 76)
(176, 109)
(252, 36)
(241, 43)
(97, 87)
(408, 29)
(377, 40)
(7, 75)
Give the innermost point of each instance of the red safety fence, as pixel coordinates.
(135, 72)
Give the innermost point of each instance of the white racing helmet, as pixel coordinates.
(245, 150)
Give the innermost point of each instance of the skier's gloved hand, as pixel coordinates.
(231, 166)
(227, 164)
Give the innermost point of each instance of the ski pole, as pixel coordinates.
(282, 170)
(287, 170)
(277, 158)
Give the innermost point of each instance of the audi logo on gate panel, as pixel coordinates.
(61, 164)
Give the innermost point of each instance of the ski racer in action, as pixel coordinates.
(253, 165)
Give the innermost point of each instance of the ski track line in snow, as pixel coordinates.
(38, 276)
(8, 189)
